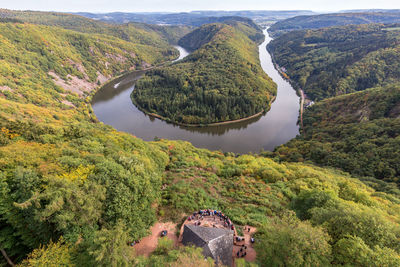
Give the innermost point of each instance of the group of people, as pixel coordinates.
(239, 239)
(242, 252)
(248, 229)
(199, 215)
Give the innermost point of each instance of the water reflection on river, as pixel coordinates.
(112, 105)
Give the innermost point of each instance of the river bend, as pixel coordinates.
(112, 105)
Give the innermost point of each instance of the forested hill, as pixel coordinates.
(221, 81)
(60, 173)
(357, 132)
(137, 33)
(203, 35)
(199, 37)
(339, 60)
(75, 192)
(329, 20)
(39, 61)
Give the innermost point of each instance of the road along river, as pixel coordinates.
(113, 106)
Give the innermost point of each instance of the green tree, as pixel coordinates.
(51, 255)
(307, 200)
(110, 247)
(352, 251)
(348, 219)
(290, 242)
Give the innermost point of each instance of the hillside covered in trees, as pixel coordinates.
(339, 60)
(355, 131)
(336, 19)
(358, 132)
(203, 35)
(46, 74)
(221, 81)
(138, 33)
(75, 192)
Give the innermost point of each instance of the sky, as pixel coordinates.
(190, 5)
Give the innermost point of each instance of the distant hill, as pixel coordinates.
(194, 18)
(202, 35)
(328, 20)
(370, 10)
(135, 32)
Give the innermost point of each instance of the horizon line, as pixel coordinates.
(207, 10)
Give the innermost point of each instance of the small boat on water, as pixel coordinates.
(116, 85)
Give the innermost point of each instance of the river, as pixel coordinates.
(112, 105)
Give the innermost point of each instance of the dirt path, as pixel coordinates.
(149, 243)
(250, 251)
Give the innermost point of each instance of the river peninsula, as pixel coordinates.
(220, 82)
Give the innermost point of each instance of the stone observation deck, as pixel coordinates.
(211, 230)
(209, 218)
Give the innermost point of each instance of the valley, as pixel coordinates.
(85, 175)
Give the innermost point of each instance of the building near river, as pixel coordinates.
(216, 243)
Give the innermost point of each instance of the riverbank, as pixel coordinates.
(111, 80)
(295, 86)
(301, 108)
(154, 115)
